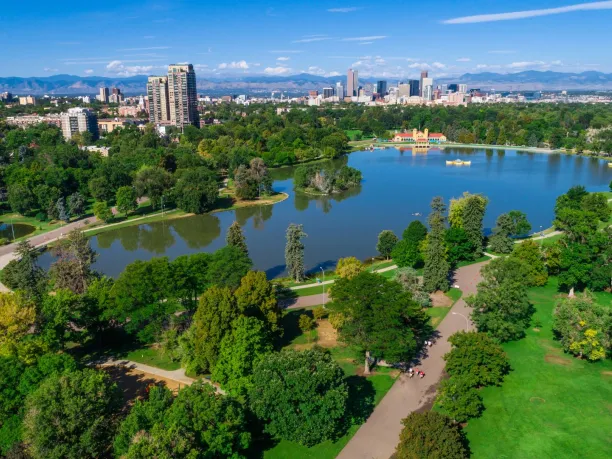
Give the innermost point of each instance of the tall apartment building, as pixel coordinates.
(427, 88)
(328, 92)
(352, 83)
(182, 95)
(159, 103)
(381, 87)
(27, 100)
(403, 89)
(340, 90)
(103, 96)
(79, 120)
(424, 74)
(462, 88)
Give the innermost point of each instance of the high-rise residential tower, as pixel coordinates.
(182, 95)
(424, 74)
(427, 88)
(159, 103)
(103, 96)
(77, 120)
(339, 90)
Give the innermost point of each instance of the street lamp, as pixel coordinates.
(323, 273)
(467, 322)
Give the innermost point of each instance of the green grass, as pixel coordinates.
(547, 242)
(152, 357)
(437, 314)
(551, 404)
(461, 264)
(454, 294)
(352, 133)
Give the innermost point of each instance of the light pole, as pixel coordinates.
(13, 228)
(323, 273)
(467, 322)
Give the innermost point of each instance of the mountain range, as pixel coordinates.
(300, 84)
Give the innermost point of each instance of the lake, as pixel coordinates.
(396, 184)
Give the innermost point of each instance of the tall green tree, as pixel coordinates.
(386, 242)
(153, 182)
(72, 270)
(228, 266)
(126, 199)
(72, 415)
(436, 270)
(431, 435)
(76, 204)
(196, 190)
(380, 318)
(235, 237)
(256, 297)
(301, 396)
(25, 273)
(407, 252)
(532, 256)
(459, 399)
(294, 252)
(473, 215)
(501, 241)
(521, 225)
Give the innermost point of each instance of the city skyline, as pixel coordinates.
(267, 39)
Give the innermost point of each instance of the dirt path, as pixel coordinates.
(378, 437)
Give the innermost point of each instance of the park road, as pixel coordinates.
(379, 436)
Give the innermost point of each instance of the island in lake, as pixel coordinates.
(325, 178)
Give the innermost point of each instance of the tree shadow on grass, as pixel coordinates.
(291, 327)
(360, 400)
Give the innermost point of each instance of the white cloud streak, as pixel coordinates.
(277, 70)
(373, 37)
(464, 59)
(88, 71)
(607, 5)
(348, 9)
(283, 58)
(312, 39)
(234, 65)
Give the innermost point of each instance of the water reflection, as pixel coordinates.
(259, 214)
(324, 202)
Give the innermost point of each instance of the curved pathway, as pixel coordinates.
(378, 437)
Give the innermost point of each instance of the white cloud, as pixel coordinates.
(118, 68)
(48, 69)
(313, 70)
(88, 71)
(311, 39)
(365, 43)
(373, 37)
(438, 65)
(333, 74)
(348, 9)
(277, 70)
(234, 65)
(464, 59)
(530, 13)
(144, 49)
(523, 64)
(282, 58)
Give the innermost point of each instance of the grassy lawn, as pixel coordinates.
(549, 240)
(551, 404)
(152, 357)
(478, 260)
(437, 314)
(454, 294)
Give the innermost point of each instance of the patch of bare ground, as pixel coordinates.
(606, 373)
(557, 360)
(440, 300)
(328, 336)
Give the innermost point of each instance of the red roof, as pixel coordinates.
(404, 134)
(436, 134)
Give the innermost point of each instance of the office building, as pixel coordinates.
(453, 87)
(103, 96)
(352, 83)
(116, 91)
(415, 87)
(427, 88)
(27, 100)
(157, 96)
(313, 93)
(424, 74)
(381, 87)
(182, 95)
(340, 90)
(403, 90)
(78, 120)
(462, 88)
(328, 92)
(6, 96)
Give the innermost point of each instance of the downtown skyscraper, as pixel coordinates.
(352, 83)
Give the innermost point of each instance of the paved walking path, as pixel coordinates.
(378, 437)
(175, 375)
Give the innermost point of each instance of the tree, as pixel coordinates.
(597, 203)
(530, 253)
(459, 399)
(126, 199)
(348, 267)
(211, 322)
(21, 198)
(294, 252)
(153, 182)
(24, 273)
(583, 326)
(199, 423)
(99, 189)
(520, 224)
(62, 212)
(235, 237)
(459, 246)
(501, 307)
(247, 186)
(228, 266)
(386, 242)
(102, 211)
(407, 252)
(197, 190)
(306, 324)
(17, 317)
(435, 272)
(409, 279)
(256, 297)
(300, 395)
(478, 357)
(380, 319)
(473, 215)
(241, 351)
(76, 204)
(430, 435)
(319, 312)
(500, 241)
(71, 415)
(72, 270)
(143, 416)
(586, 264)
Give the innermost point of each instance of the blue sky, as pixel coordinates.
(232, 37)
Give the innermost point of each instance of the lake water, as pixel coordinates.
(396, 184)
